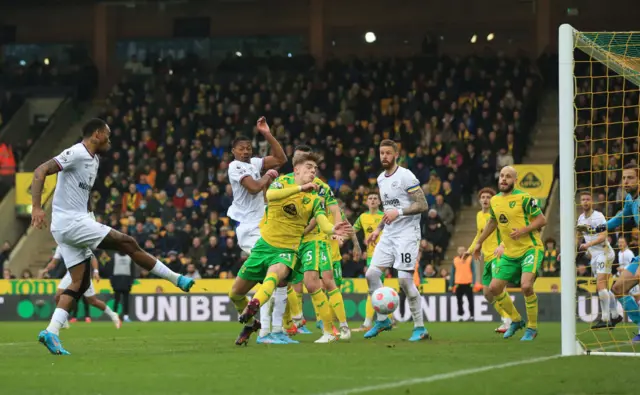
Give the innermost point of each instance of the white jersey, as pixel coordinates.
(592, 222)
(245, 207)
(394, 191)
(624, 258)
(78, 171)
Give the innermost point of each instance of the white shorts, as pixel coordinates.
(78, 239)
(66, 281)
(248, 235)
(399, 253)
(601, 263)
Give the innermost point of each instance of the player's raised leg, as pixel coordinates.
(126, 244)
(238, 295)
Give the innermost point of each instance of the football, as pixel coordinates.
(385, 300)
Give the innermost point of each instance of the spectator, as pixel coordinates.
(436, 235)
(197, 250)
(131, 200)
(550, 262)
(445, 212)
(192, 272)
(26, 274)
(210, 271)
(5, 251)
(6, 274)
(231, 257)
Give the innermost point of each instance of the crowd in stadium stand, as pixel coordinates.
(458, 121)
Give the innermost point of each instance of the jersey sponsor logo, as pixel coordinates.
(391, 202)
(85, 186)
(503, 219)
(290, 209)
(512, 204)
(369, 229)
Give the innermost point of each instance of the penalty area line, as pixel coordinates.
(439, 377)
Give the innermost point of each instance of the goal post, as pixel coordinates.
(567, 189)
(598, 103)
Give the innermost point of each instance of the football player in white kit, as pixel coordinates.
(592, 226)
(404, 202)
(90, 293)
(248, 208)
(76, 232)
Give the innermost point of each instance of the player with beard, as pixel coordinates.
(404, 202)
(518, 219)
(74, 229)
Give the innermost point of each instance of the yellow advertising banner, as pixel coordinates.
(23, 191)
(212, 286)
(536, 180)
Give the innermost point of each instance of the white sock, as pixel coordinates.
(265, 317)
(161, 270)
(367, 322)
(603, 295)
(58, 319)
(506, 320)
(373, 281)
(413, 296)
(613, 306)
(110, 313)
(279, 305)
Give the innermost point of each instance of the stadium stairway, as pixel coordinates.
(543, 150)
(35, 247)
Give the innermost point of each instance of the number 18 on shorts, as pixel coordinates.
(400, 254)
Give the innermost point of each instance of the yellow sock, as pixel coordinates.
(337, 305)
(287, 322)
(240, 302)
(499, 308)
(292, 303)
(370, 312)
(300, 299)
(266, 289)
(507, 305)
(321, 304)
(532, 311)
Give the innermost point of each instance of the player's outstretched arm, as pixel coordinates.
(278, 192)
(626, 212)
(277, 157)
(37, 185)
(255, 186)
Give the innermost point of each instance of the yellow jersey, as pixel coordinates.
(285, 220)
(324, 192)
(515, 211)
(491, 243)
(368, 222)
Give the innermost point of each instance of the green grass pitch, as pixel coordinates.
(201, 358)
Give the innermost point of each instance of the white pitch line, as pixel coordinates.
(438, 377)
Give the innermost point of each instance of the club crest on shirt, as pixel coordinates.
(395, 184)
(512, 204)
(306, 200)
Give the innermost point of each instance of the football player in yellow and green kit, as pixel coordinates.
(273, 259)
(518, 219)
(492, 249)
(368, 222)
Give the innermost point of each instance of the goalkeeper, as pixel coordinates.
(518, 219)
(630, 275)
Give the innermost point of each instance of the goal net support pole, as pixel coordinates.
(567, 189)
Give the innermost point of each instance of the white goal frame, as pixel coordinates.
(566, 127)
